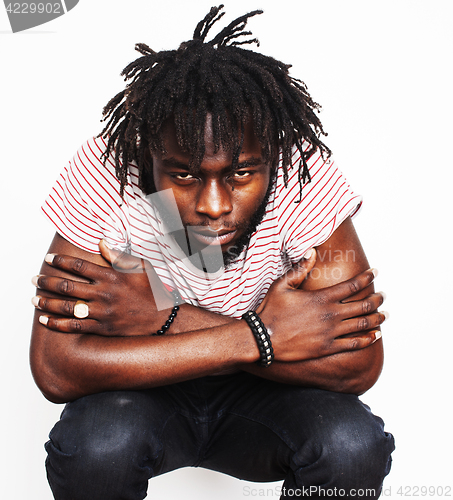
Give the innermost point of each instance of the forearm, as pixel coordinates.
(68, 366)
(351, 372)
(192, 318)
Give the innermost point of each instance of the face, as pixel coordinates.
(217, 205)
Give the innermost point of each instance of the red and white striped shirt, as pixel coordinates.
(85, 206)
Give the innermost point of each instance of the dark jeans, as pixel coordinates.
(106, 446)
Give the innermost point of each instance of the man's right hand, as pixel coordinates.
(317, 323)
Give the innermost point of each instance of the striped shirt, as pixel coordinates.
(85, 206)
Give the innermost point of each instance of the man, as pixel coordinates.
(182, 310)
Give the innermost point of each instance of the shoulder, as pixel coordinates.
(309, 213)
(322, 170)
(85, 204)
(89, 160)
(95, 173)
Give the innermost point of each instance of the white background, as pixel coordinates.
(381, 70)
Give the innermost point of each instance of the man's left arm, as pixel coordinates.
(341, 257)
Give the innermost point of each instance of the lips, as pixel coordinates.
(209, 237)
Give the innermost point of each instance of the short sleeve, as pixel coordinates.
(84, 204)
(326, 202)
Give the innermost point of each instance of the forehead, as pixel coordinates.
(250, 145)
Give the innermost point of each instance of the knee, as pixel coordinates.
(99, 428)
(348, 446)
(359, 448)
(99, 442)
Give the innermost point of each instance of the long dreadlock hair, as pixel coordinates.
(214, 77)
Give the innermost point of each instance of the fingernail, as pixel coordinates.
(377, 335)
(49, 258)
(43, 320)
(384, 295)
(34, 280)
(35, 301)
(309, 253)
(385, 314)
(374, 271)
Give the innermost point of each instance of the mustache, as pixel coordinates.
(233, 225)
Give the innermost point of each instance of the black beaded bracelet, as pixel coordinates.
(261, 336)
(174, 312)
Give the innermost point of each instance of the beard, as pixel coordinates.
(234, 251)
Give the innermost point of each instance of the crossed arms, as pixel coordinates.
(324, 327)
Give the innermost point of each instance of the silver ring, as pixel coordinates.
(81, 310)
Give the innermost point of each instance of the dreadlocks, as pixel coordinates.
(218, 77)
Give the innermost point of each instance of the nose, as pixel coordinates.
(214, 199)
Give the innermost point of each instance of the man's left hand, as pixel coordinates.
(115, 295)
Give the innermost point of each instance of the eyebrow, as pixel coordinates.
(251, 162)
(172, 162)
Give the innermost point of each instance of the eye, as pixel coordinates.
(239, 174)
(183, 176)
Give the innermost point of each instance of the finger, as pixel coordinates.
(121, 261)
(296, 275)
(363, 306)
(346, 289)
(363, 323)
(75, 265)
(109, 253)
(55, 306)
(60, 307)
(70, 325)
(63, 286)
(355, 343)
